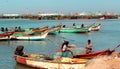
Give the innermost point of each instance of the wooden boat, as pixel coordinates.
(42, 61)
(40, 29)
(74, 30)
(95, 27)
(29, 36)
(54, 30)
(94, 54)
(6, 35)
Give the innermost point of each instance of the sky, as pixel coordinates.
(59, 6)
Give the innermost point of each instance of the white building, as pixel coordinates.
(50, 14)
(11, 15)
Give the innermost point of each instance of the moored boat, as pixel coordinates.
(6, 35)
(95, 27)
(54, 30)
(40, 29)
(74, 30)
(29, 36)
(44, 62)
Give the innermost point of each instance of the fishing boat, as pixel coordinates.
(41, 61)
(54, 30)
(94, 54)
(5, 35)
(40, 29)
(74, 30)
(95, 27)
(29, 36)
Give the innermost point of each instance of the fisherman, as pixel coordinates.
(65, 47)
(82, 25)
(19, 51)
(2, 29)
(64, 26)
(74, 24)
(6, 29)
(88, 47)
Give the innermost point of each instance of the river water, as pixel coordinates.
(107, 37)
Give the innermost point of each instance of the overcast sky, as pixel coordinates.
(61, 6)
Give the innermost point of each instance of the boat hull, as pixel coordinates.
(97, 28)
(41, 36)
(50, 64)
(94, 54)
(72, 30)
(5, 36)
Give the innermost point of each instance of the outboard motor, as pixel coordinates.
(19, 50)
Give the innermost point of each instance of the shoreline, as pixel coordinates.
(104, 62)
(58, 17)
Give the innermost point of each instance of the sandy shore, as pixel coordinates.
(111, 62)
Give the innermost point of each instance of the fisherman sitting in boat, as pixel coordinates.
(82, 25)
(65, 47)
(88, 47)
(19, 51)
(74, 24)
(64, 26)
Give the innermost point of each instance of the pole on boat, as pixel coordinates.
(116, 47)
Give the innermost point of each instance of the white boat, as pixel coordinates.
(32, 36)
(39, 62)
(95, 27)
(6, 35)
(42, 61)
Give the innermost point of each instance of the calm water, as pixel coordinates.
(107, 37)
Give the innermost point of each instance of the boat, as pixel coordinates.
(40, 29)
(29, 35)
(94, 54)
(42, 61)
(5, 35)
(74, 30)
(101, 18)
(95, 27)
(54, 30)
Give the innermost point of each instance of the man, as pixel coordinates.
(88, 47)
(65, 47)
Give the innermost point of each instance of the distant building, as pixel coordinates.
(51, 14)
(13, 15)
(83, 14)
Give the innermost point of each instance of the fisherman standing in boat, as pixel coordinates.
(88, 47)
(65, 47)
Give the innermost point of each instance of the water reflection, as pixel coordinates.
(11, 43)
